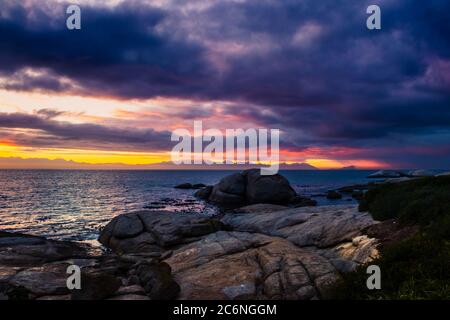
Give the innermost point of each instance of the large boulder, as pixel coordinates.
(158, 230)
(250, 187)
(273, 189)
(240, 265)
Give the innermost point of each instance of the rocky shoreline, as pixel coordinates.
(271, 248)
(288, 254)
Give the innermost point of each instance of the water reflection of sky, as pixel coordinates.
(73, 205)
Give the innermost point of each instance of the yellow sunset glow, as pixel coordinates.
(84, 156)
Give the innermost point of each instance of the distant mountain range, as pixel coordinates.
(19, 163)
(349, 168)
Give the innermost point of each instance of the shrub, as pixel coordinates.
(416, 268)
(419, 201)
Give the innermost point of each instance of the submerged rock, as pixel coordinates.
(204, 193)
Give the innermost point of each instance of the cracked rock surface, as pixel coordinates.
(259, 253)
(240, 265)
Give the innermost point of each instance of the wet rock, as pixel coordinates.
(204, 193)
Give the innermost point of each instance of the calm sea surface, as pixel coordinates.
(73, 205)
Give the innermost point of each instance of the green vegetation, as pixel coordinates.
(421, 201)
(416, 268)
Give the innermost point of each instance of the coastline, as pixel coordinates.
(283, 249)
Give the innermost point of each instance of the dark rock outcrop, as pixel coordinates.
(36, 268)
(272, 252)
(250, 187)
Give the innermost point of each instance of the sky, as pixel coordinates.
(112, 92)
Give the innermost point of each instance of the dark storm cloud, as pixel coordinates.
(309, 67)
(118, 51)
(40, 130)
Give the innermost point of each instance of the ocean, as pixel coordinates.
(74, 205)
